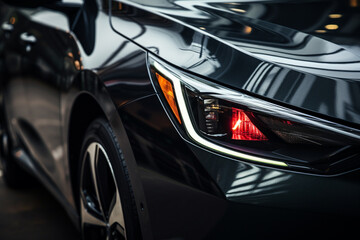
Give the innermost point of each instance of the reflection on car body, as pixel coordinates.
(186, 119)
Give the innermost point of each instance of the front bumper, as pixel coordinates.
(192, 193)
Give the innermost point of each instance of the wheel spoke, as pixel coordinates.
(101, 209)
(93, 152)
(116, 212)
(89, 218)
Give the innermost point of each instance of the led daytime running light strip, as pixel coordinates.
(190, 129)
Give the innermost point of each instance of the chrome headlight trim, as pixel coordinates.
(178, 80)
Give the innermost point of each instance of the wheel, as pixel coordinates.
(13, 175)
(107, 206)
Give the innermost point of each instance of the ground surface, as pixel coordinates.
(33, 213)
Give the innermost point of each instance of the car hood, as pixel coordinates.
(307, 52)
(318, 37)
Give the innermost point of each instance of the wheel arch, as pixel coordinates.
(84, 110)
(85, 100)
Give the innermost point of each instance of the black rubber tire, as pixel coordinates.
(101, 132)
(14, 176)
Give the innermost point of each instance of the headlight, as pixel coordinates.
(251, 129)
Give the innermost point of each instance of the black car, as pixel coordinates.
(180, 119)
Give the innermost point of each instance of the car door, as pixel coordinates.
(15, 101)
(44, 56)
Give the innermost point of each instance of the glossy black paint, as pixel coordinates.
(53, 87)
(259, 57)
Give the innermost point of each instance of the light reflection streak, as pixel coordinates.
(256, 182)
(268, 79)
(302, 52)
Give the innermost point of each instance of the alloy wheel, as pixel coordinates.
(100, 203)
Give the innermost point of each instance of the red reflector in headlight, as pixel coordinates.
(243, 129)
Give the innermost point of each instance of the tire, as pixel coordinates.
(107, 205)
(13, 175)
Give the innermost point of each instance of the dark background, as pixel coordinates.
(32, 213)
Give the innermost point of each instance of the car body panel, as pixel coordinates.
(72, 83)
(270, 60)
(256, 194)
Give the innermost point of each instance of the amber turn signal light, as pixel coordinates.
(168, 91)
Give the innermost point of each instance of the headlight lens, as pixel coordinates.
(251, 129)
